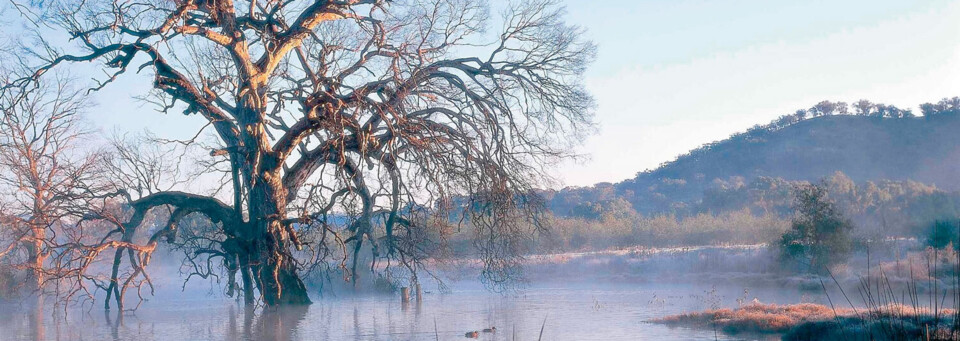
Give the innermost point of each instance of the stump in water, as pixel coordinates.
(405, 295)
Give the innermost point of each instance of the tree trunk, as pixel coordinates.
(36, 260)
(274, 269)
(246, 276)
(280, 284)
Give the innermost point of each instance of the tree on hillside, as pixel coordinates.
(819, 235)
(946, 106)
(863, 107)
(369, 107)
(825, 108)
(843, 108)
(891, 111)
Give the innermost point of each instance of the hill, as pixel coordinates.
(876, 142)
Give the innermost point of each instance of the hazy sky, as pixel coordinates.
(672, 75)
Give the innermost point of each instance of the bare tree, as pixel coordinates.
(387, 110)
(44, 178)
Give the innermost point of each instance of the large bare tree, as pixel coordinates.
(394, 113)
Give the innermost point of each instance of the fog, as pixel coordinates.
(576, 296)
(392, 170)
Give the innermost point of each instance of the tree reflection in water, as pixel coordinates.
(279, 324)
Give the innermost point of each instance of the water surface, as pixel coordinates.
(567, 311)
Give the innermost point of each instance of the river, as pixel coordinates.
(564, 310)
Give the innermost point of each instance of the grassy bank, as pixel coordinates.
(807, 321)
(902, 299)
(753, 318)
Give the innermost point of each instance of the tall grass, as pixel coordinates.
(913, 310)
(913, 298)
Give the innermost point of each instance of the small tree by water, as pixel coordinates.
(942, 233)
(819, 235)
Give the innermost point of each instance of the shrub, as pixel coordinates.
(942, 233)
(819, 234)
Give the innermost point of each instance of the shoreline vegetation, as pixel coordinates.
(909, 298)
(808, 321)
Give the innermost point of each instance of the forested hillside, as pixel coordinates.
(864, 141)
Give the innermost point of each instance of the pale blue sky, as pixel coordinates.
(672, 75)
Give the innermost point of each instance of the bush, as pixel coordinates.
(819, 234)
(942, 233)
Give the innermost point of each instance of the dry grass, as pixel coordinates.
(807, 321)
(755, 318)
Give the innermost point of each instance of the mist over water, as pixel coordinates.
(576, 296)
(350, 153)
(566, 310)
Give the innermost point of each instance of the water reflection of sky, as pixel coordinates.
(566, 311)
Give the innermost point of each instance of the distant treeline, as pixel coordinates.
(890, 172)
(736, 211)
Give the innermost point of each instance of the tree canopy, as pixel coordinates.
(387, 112)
